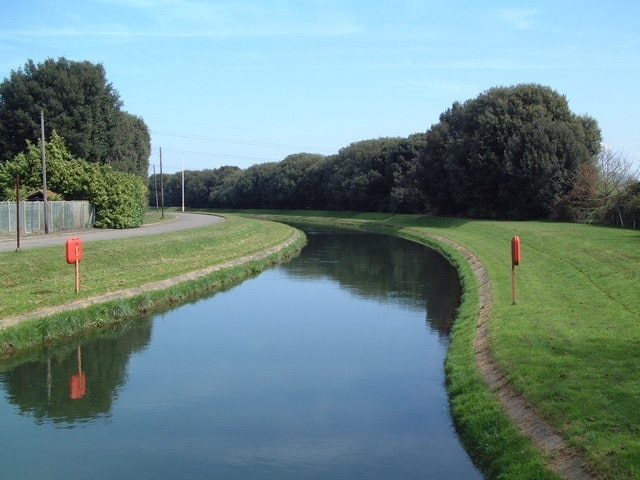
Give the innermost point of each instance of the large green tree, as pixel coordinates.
(292, 181)
(80, 104)
(512, 152)
(131, 147)
(377, 175)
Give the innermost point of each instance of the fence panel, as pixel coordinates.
(63, 216)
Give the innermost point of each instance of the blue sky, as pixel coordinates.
(245, 82)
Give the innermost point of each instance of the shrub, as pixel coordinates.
(120, 198)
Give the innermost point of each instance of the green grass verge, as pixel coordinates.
(39, 278)
(569, 345)
(153, 216)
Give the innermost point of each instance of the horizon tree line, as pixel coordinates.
(513, 153)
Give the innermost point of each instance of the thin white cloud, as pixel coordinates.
(255, 31)
(198, 19)
(444, 86)
(518, 18)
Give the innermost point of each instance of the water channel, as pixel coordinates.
(330, 366)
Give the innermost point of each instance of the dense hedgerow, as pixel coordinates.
(120, 198)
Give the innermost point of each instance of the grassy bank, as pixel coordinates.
(569, 345)
(38, 278)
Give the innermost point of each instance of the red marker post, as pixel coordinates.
(74, 255)
(516, 257)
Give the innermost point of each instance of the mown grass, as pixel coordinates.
(570, 345)
(39, 277)
(154, 216)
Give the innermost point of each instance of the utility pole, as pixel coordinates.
(18, 249)
(44, 175)
(183, 182)
(161, 187)
(155, 185)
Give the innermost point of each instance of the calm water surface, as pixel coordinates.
(328, 367)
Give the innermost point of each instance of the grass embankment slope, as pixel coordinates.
(570, 345)
(39, 278)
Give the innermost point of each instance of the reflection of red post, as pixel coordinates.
(74, 255)
(78, 382)
(78, 386)
(516, 258)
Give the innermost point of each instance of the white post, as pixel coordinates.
(161, 187)
(183, 182)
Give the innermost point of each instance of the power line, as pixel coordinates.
(237, 141)
(220, 155)
(215, 155)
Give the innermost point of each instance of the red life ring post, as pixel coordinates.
(74, 255)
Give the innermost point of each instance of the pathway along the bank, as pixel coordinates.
(180, 221)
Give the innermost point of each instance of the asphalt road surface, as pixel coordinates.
(181, 221)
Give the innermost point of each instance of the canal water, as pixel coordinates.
(327, 367)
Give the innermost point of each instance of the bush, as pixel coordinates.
(120, 198)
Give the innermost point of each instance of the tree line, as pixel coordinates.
(372, 175)
(511, 153)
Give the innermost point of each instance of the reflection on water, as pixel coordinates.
(45, 386)
(385, 269)
(320, 368)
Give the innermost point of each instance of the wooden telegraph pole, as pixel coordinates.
(155, 186)
(18, 213)
(44, 175)
(161, 187)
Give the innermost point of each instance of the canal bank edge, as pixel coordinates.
(564, 461)
(75, 318)
(558, 459)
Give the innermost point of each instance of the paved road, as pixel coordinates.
(182, 221)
